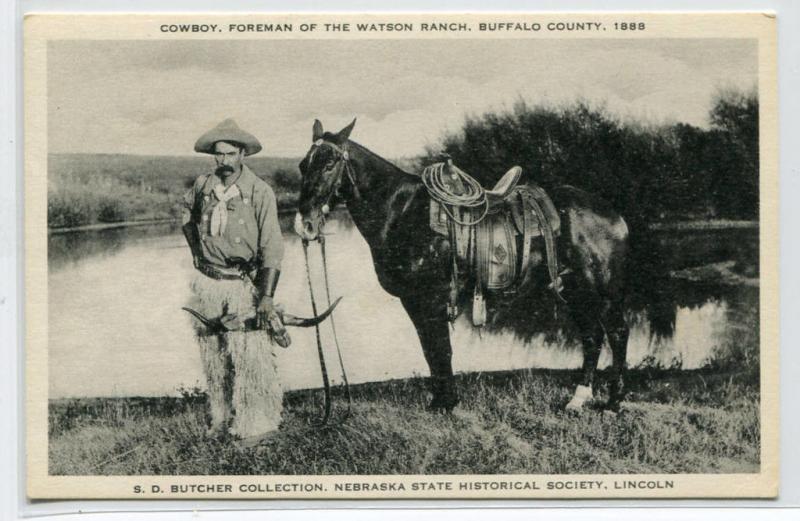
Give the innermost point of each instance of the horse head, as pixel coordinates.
(324, 169)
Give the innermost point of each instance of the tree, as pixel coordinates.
(734, 160)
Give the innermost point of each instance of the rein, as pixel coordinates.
(322, 364)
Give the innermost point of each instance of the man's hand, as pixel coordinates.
(263, 311)
(268, 318)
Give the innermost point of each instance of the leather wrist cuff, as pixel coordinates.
(267, 281)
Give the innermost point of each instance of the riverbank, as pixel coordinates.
(705, 225)
(108, 189)
(699, 225)
(282, 212)
(508, 423)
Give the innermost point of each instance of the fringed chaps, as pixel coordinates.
(244, 392)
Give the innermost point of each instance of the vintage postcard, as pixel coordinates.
(393, 256)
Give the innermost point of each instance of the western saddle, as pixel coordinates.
(491, 231)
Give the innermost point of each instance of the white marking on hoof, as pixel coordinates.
(254, 441)
(582, 394)
(215, 431)
(298, 224)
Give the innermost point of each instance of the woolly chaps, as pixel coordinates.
(244, 391)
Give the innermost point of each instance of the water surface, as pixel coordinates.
(116, 327)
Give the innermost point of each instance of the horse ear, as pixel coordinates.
(344, 134)
(317, 132)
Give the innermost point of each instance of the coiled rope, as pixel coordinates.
(434, 177)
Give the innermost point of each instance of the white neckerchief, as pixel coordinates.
(219, 215)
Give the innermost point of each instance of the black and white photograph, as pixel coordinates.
(401, 256)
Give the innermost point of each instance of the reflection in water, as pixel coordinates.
(116, 328)
(72, 247)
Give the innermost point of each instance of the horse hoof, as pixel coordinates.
(217, 432)
(442, 406)
(583, 393)
(574, 407)
(254, 441)
(441, 409)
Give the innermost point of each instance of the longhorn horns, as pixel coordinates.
(231, 322)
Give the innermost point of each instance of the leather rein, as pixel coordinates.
(345, 169)
(322, 364)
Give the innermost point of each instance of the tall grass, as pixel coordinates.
(508, 423)
(89, 189)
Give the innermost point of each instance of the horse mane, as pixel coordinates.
(396, 169)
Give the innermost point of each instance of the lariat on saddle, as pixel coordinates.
(483, 228)
(453, 188)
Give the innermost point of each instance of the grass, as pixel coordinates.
(86, 189)
(508, 423)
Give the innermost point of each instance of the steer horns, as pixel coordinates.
(232, 322)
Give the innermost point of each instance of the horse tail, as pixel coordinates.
(647, 279)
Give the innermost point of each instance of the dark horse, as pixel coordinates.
(391, 210)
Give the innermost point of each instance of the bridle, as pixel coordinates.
(345, 169)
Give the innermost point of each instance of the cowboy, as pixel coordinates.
(231, 225)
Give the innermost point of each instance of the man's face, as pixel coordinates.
(228, 157)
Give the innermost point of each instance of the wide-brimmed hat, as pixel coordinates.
(230, 132)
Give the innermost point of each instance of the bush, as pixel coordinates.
(111, 210)
(649, 173)
(287, 180)
(734, 119)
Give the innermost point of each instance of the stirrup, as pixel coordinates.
(478, 308)
(452, 302)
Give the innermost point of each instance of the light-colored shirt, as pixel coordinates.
(252, 232)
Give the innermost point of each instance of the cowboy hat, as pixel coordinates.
(229, 132)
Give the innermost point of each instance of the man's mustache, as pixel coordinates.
(224, 168)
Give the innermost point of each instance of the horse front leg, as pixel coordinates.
(430, 321)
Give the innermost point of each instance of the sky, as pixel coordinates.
(158, 97)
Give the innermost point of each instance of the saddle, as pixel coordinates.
(491, 232)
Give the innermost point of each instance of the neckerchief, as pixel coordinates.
(219, 215)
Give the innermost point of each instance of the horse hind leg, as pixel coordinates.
(592, 336)
(618, 333)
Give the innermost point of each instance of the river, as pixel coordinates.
(116, 327)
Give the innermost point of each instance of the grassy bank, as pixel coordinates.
(86, 189)
(509, 422)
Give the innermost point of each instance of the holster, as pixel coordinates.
(192, 235)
